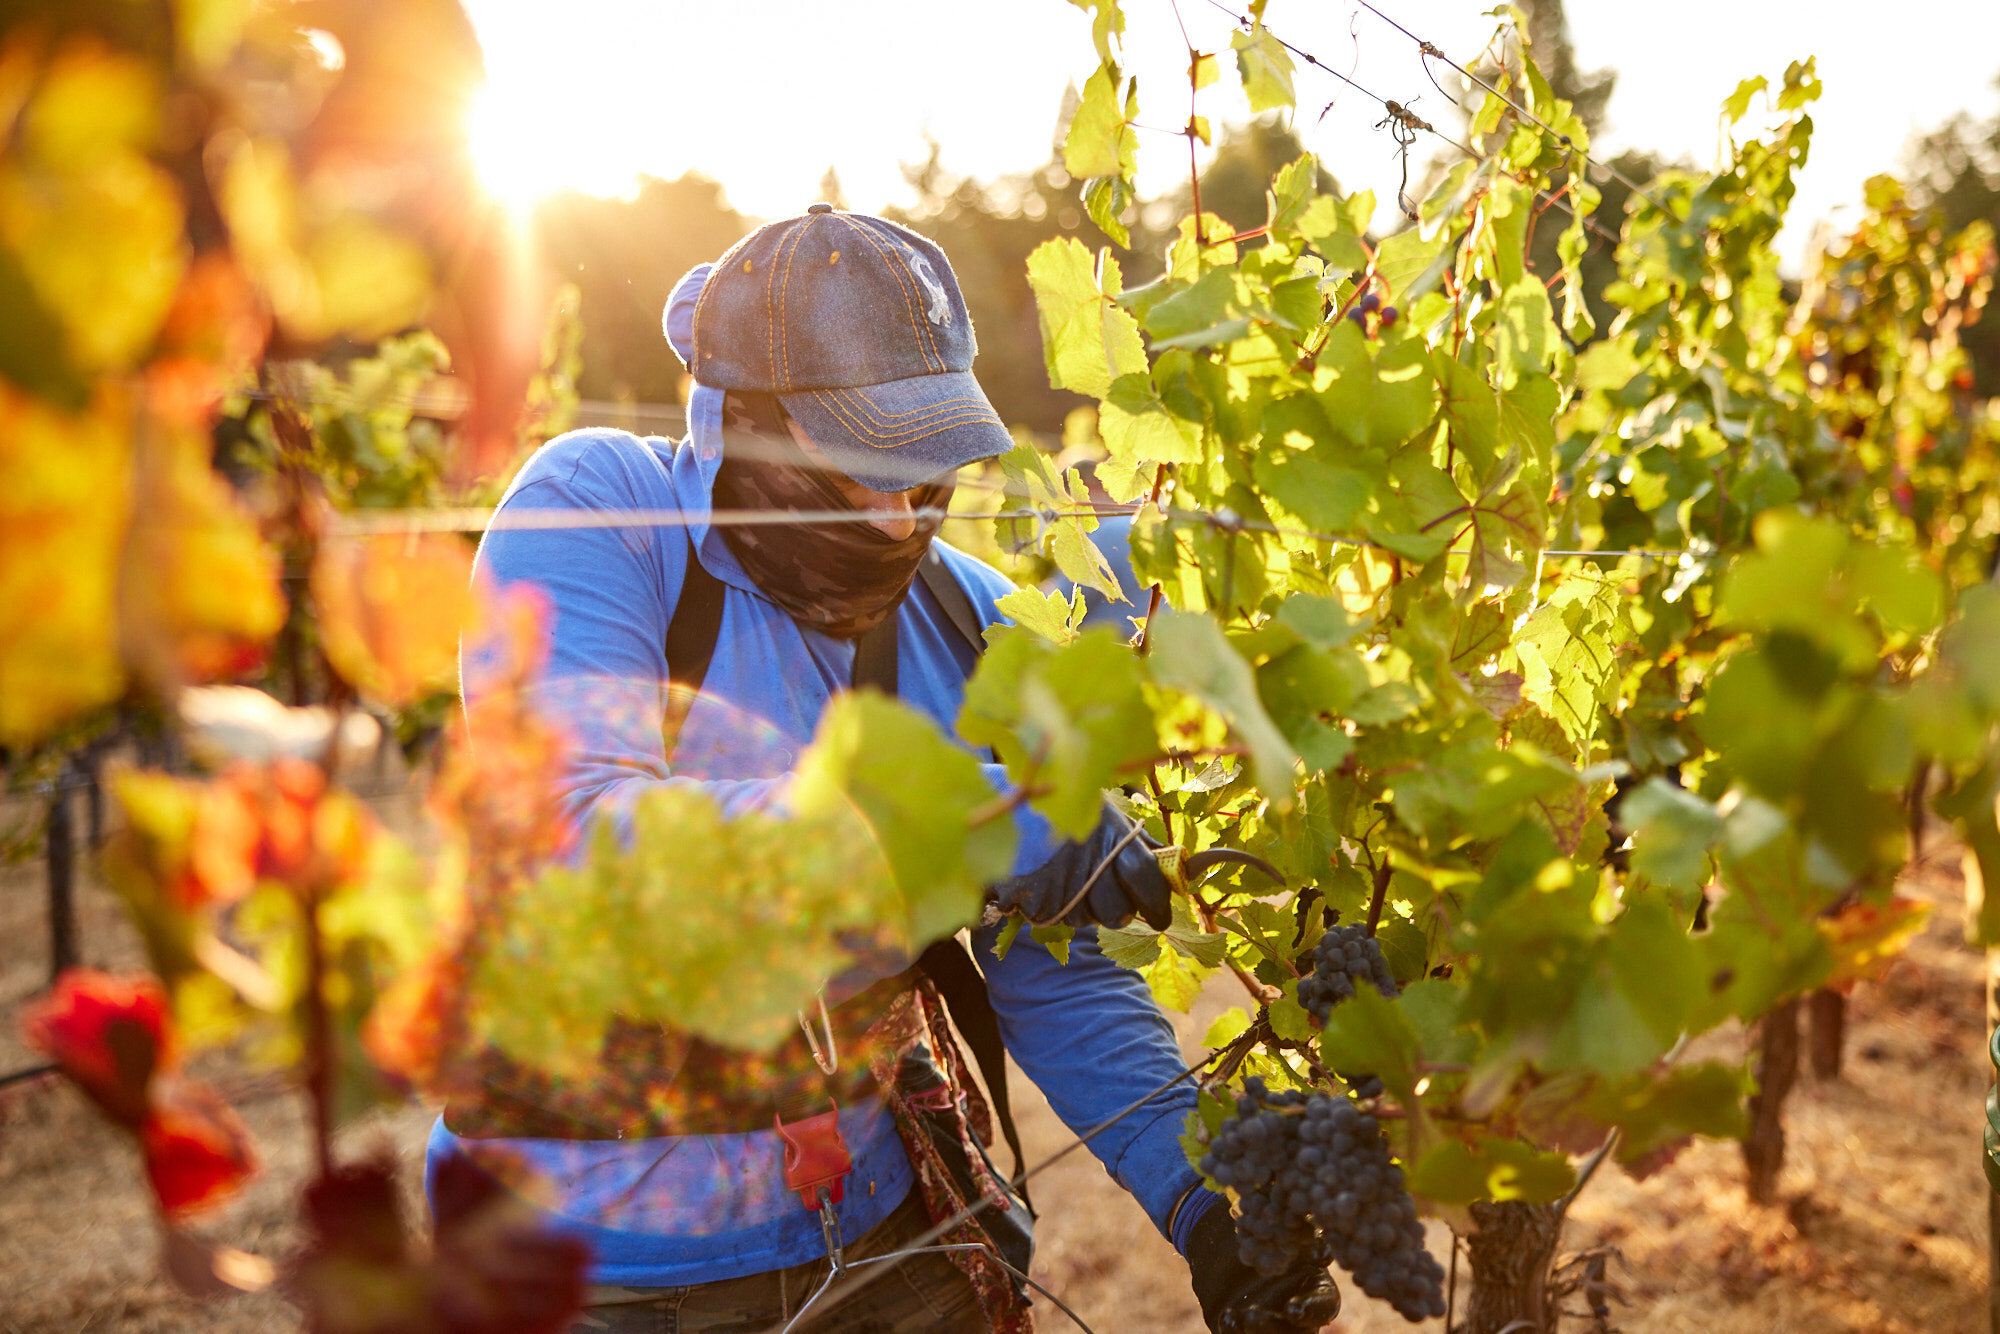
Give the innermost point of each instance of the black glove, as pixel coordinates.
(1132, 883)
(1236, 1299)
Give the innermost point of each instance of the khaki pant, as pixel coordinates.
(925, 1293)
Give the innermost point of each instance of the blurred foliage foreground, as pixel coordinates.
(1594, 669)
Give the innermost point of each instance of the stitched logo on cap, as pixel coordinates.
(939, 311)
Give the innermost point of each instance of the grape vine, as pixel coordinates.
(1587, 805)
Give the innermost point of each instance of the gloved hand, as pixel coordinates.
(1132, 883)
(1236, 1299)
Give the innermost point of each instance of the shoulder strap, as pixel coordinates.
(693, 628)
(950, 595)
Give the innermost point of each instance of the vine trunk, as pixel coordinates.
(1777, 1069)
(1512, 1257)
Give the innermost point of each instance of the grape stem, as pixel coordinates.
(1259, 992)
(1382, 871)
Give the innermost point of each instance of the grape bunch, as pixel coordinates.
(1344, 955)
(1370, 316)
(1312, 1173)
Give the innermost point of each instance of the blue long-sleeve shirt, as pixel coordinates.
(692, 1209)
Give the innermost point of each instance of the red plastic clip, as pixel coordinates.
(815, 1156)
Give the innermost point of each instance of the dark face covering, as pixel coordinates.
(842, 579)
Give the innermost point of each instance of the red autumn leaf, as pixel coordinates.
(275, 823)
(492, 1269)
(222, 852)
(198, 1152)
(109, 1034)
(113, 1036)
(287, 794)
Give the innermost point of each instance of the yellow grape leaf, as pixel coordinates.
(97, 228)
(200, 591)
(102, 249)
(92, 103)
(391, 609)
(367, 281)
(62, 517)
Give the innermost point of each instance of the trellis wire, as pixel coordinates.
(473, 519)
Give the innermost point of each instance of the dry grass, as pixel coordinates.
(1881, 1227)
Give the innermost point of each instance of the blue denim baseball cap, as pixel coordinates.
(858, 326)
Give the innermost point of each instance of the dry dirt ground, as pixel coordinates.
(1881, 1228)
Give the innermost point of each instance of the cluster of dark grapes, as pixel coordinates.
(1344, 955)
(1312, 1175)
(1370, 308)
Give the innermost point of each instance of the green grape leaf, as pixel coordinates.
(1055, 938)
(1404, 947)
(1320, 622)
(1673, 831)
(1661, 1107)
(1105, 199)
(1371, 1033)
(1304, 689)
(1471, 413)
(1568, 649)
(1139, 428)
(1493, 1170)
(1190, 654)
(1050, 615)
(1208, 310)
(719, 927)
(1378, 400)
(1099, 142)
(1293, 190)
(1135, 945)
(1607, 364)
(1527, 421)
(1737, 104)
(1525, 338)
(1307, 468)
(1289, 1020)
(1087, 340)
(1107, 25)
(1401, 260)
(1265, 68)
(1175, 980)
(862, 755)
(1335, 227)
(1064, 719)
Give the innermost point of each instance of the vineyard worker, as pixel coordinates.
(826, 337)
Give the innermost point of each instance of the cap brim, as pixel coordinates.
(902, 433)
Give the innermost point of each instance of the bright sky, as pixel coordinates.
(765, 95)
